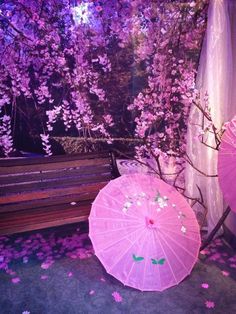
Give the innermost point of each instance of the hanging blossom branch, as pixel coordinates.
(209, 128)
(46, 144)
(6, 140)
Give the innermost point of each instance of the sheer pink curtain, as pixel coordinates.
(216, 76)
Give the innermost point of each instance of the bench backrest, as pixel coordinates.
(32, 182)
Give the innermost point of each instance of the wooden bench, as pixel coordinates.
(43, 192)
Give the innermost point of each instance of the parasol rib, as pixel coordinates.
(185, 235)
(117, 212)
(106, 247)
(127, 278)
(164, 254)
(109, 196)
(181, 246)
(113, 219)
(144, 271)
(178, 219)
(177, 257)
(158, 269)
(120, 229)
(120, 257)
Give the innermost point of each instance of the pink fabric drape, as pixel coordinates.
(216, 76)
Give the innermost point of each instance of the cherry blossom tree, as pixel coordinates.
(59, 60)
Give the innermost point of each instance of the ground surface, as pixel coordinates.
(55, 272)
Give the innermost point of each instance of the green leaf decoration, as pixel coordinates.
(137, 258)
(161, 261)
(154, 261)
(158, 262)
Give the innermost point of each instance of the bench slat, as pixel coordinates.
(53, 184)
(10, 162)
(6, 199)
(54, 174)
(38, 222)
(8, 230)
(58, 200)
(46, 213)
(53, 165)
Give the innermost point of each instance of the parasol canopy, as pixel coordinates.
(144, 232)
(227, 164)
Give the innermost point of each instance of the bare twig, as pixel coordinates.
(198, 170)
(15, 28)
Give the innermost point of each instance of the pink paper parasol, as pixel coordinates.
(144, 232)
(227, 164)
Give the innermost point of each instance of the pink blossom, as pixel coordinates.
(25, 259)
(205, 285)
(117, 297)
(192, 4)
(46, 265)
(204, 252)
(222, 261)
(44, 277)
(108, 119)
(210, 304)
(215, 257)
(46, 144)
(10, 272)
(15, 280)
(225, 273)
(98, 8)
